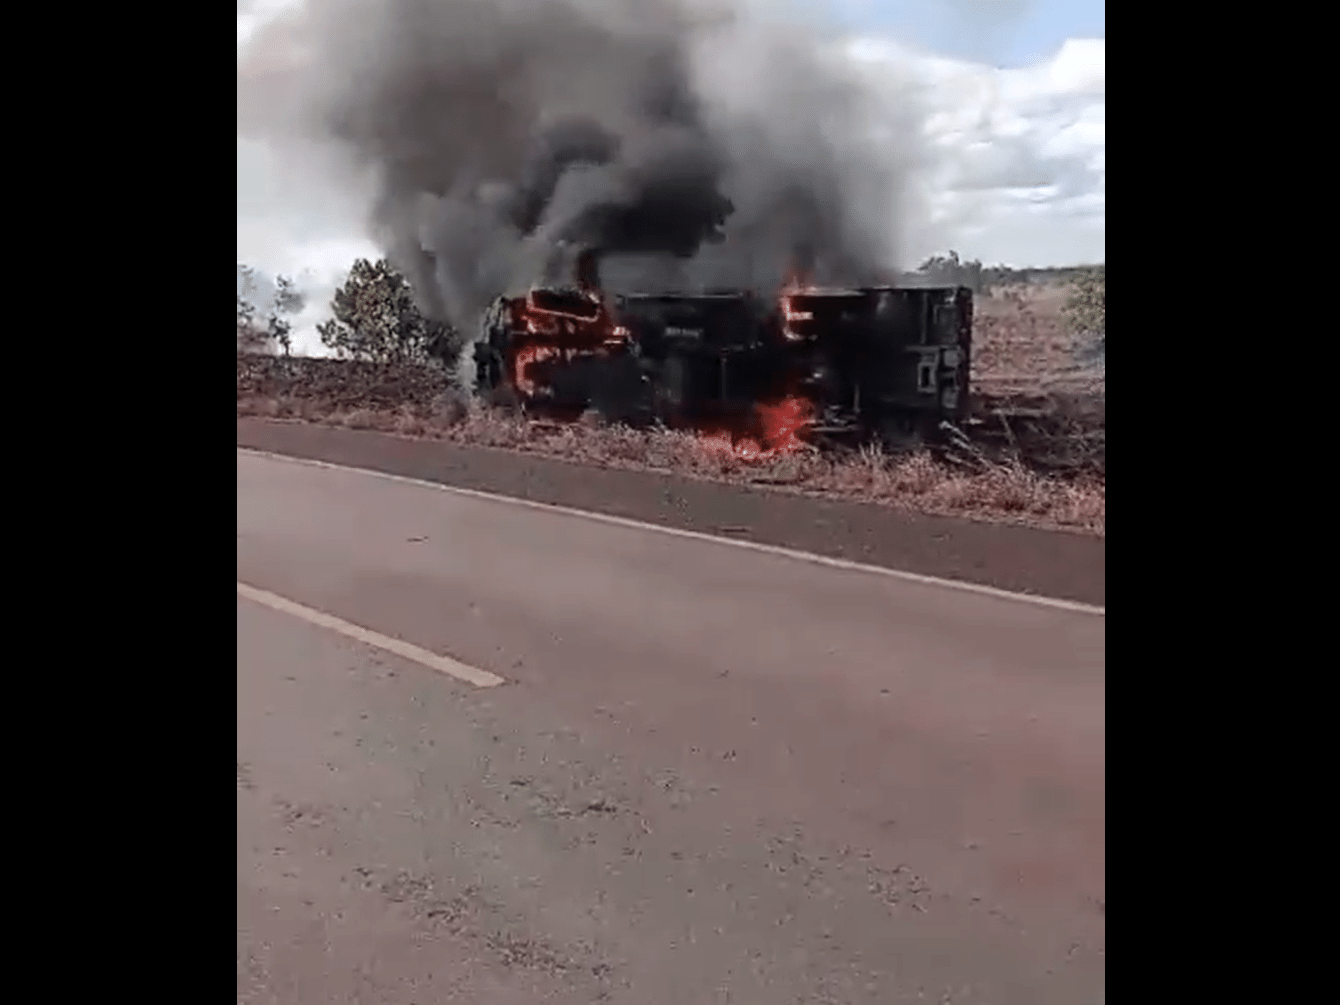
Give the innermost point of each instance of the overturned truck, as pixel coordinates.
(876, 363)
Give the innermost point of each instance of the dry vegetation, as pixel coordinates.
(998, 491)
(1038, 392)
(1034, 451)
(1021, 345)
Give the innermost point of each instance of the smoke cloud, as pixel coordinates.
(506, 135)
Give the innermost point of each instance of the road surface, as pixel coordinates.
(710, 773)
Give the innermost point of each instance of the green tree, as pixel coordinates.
(1085, 310)
(249, 337)
(252, 335)
(376, 319)
(287, 300)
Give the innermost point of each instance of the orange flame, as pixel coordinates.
(526, 357)
(796, 282)
(782, 422)
(561, 330)
(775, 431)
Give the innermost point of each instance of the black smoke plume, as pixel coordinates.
(507, 136)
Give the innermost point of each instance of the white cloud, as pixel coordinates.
(1020, 172)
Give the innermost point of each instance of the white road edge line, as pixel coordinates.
(768, 549)
(443, 664)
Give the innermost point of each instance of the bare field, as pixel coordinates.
(1021, 345)
(1037, 394)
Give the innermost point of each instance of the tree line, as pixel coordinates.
(950, 270)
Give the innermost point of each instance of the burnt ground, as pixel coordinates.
(1057, 564)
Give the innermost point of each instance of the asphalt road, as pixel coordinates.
(712, 774)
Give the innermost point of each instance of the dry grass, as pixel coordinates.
(996, 491)
(1020, 342)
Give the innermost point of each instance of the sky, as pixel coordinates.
(999, 33)
(1018, 92)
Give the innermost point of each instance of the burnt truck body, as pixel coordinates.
(880, 362)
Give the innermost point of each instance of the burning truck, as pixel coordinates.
(767, 374)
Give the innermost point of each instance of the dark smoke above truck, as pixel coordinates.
(878, 362)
